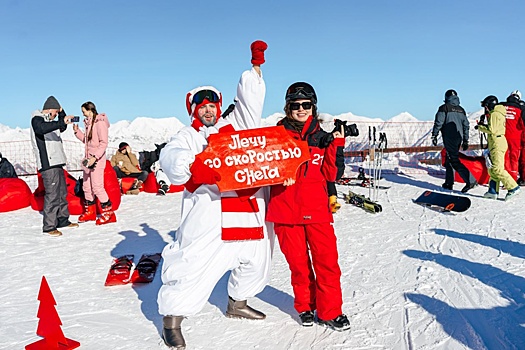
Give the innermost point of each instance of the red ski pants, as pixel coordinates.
(512, 156)
(311, 253)
(522, 157)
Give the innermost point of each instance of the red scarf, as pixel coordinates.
(240, 212)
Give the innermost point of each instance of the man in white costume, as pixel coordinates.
(218, 231)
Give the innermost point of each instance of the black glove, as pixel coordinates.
(434, 140)
(326, 140)
(476, 126)
(465, 145)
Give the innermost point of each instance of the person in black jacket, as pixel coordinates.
(452, 121)
(6, 168)
(50, 158)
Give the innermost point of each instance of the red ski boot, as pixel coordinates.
(90, 212)
(107, 215)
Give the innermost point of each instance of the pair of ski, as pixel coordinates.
(349, 181)
(121, 268)
(363, 202)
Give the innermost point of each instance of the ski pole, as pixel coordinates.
(383, 145)
(369, 157)
(374, 160)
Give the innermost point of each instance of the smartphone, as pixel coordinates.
(75, 119)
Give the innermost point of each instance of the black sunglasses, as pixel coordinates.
(294, 106)
(202, 95)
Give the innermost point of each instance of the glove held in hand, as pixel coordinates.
(203, 174)
(258, 47)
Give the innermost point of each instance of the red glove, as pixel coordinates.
(203, 174)
(258, 48)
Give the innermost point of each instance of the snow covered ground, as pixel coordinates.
(413, 278)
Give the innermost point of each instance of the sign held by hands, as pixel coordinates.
(254, 158)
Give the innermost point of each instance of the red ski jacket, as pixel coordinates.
(513, 120)
(307, 200)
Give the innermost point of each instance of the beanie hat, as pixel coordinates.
(450, 93)
(51, 103)
(122, 145)
(202, 95)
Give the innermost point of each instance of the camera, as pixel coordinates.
(75, 119)
(85, 163)
(350, 130)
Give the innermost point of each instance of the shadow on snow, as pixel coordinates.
(137, 243)
(496, 328)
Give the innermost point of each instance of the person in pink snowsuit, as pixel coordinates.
(95, 139)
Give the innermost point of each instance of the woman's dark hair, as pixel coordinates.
(90, 106)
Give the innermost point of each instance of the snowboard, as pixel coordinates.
(120, 271)
(146, 267)
(443, 201)
(362, 202)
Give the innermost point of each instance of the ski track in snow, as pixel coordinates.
(412, 278)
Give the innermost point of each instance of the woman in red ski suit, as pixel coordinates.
(303, 219)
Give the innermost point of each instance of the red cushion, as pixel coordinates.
(111, 186)
(75, 203)
(127, 183)
(14, 194)
(176, 188)
(476, 165)
(152, 186)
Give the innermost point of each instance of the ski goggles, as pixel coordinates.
(202, 95)
(294, 106)
(298, 93)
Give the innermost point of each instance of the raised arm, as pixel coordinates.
(251, 92)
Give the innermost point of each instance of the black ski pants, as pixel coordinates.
(452, 162)
(56, 213)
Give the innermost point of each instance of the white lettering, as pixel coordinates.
(247, 141)
(250, 176)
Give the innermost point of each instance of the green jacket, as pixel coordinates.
(495, 129)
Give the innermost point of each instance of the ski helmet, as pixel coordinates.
(490, 102)
(450, 93)
(301, 90)
(516, 93)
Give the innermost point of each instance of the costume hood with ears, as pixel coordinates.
(192, 106)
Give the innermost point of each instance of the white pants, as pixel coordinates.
(195, 262)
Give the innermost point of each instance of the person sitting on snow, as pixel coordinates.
(126, 164)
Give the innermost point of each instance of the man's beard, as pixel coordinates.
(208, 123)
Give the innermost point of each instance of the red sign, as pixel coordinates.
(254, 158)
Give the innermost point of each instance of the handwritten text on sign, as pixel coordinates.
(254, 158)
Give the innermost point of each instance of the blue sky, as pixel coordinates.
(372, 58)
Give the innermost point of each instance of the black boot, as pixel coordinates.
(240, 309)
(171, 333)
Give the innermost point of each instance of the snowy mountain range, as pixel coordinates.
(142, 133)
(402, 130)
